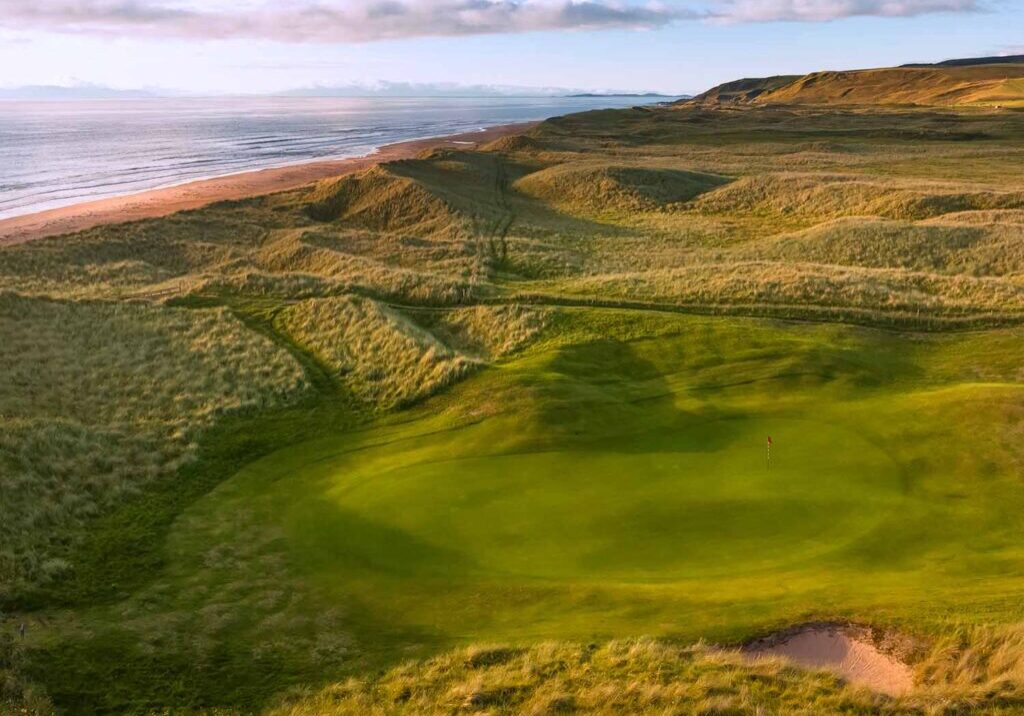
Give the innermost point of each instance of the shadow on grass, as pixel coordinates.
(240, 667)
(114, 671)
(606, 388)
(332, 539)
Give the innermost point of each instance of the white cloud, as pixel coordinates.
(738, 11)
(350, 21)
(332, 21)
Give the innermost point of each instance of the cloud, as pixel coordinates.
(332, 20)
(741, 11)
(351, 21)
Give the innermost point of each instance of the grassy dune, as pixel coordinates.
(300, 453)
(987, 84)
(982, 84)
(608, 188)
(385, 358)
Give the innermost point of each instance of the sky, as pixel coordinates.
(669, 46)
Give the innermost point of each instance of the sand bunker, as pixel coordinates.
(847, 651)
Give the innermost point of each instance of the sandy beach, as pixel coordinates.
(190, 195)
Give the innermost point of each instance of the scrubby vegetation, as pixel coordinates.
(629, 677)
(18, 696)
(303, 439)
(645, 676)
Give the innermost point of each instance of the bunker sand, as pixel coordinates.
(844, 651)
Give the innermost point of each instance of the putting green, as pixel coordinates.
(652, 507)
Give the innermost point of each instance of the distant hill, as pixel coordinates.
(452, 89)
(745, 90)
(980, 81)
(629, 94)
(973, 61)
(31, 92)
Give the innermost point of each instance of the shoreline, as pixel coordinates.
(192, 194)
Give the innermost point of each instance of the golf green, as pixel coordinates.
(652, 507)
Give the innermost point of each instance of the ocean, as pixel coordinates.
(57, 153)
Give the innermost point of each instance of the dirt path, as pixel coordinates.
(160, 202)
(844, 650)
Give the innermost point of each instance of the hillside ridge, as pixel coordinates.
(971, 61)
(974, 82)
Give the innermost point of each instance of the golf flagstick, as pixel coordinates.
(768, 453)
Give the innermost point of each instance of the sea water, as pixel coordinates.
(57, 153)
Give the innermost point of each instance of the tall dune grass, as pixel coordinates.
(814, 286)
(99, 400)
(491, 332)
(977, 671)
(383, 357)
(644, 677)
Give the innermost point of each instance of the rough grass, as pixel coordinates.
(489, 332)
(117, 260)
(602, 188)
(971, 667)
(649, 677)
(815, 290)
(378, 199)
(18, 696)
(827, 197)
(445, 193)
(386, 359)
(643, 677)
(882, 243)
(99, 401)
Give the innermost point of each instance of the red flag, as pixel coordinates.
(769, 439)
